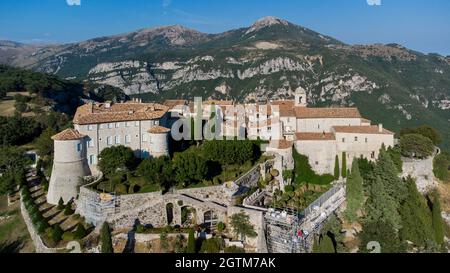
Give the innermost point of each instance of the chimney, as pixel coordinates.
(380, 128)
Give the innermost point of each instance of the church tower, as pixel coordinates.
(301, 97)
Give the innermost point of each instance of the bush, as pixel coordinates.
(289, 188)
(56, 233)
(105, 238)
(60, 204)
(42, 226)
(68, 209)
(441, 166)
(140, 229)
(234, 249)
(121, 189)
(221, 227)
(304, 172)
(80, 232)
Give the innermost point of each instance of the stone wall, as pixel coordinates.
(39, 245)
(422, 171)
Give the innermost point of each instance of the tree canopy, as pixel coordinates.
(240, 222)
(415, 145)
(116, 158)
(426, 131)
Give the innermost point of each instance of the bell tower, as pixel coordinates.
(301, 97)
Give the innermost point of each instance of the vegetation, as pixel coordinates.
(336, 168)
(424, 130)
(240, 222)
(189, 168)
(191, 242)
(105, 238)
(213, 245)
(441, 166)
(355, 192)
(415, 145)
(13, 164)
(231, 152)
(344, 165)
(157, 171)
(437, 221)
(117, 158)
(305, 174)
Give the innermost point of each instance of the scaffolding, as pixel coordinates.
(96, 208)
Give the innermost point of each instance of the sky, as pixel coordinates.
(422, 25)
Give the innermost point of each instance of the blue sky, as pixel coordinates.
(422, 25)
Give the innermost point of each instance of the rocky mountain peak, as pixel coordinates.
(266, 22)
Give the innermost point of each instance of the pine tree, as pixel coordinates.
(438, 223)
(191, 242)
(355, 194)
(344, 165)
(388, 172)
(336, 168)
(60, 204)
(105, 237)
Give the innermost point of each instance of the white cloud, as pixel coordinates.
(374, 2)
(73, 2)
(166, 3)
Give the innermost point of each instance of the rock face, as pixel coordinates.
(267, 60)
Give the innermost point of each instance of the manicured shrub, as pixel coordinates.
(105, 238)
(121, 189)
(56, 233)
(80, 232)
(68, 209)
(221, 227)
(289, 188)
(60, 204)
(68, 236)
(191, 242)
(42, 226)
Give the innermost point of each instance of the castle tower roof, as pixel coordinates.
(159, 130)
(68, 134)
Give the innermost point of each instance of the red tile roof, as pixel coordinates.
(130, 111)
(305, 113)
(68, 134)
(315, 136)
(158, 130)
(362, 130)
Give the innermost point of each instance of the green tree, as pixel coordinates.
(213, 245)
(13, 164)
(426, 131)
(441, 166)
(336, 168)
(116, 158)
(438, 222)
(381, 207)
(416, 145)
(344, 165)
(80, 232)
(191, 242)
(383, 233)
(105, 238)
(157, 171)
(164, 242)
(56, 234)
(386, 170)
(189, 168)
(416, 216)
(60, 204)
(355, 193)
(396, 156)
(44, 143)
(240, 222)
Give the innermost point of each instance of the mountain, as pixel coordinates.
(268, 60)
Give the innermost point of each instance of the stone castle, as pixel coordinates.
(319, 133)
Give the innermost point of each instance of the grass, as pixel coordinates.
(14, 235)
(7, 108)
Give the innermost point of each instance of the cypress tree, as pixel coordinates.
(355, 193)
(416, 217)
(191, 242)
(105, 237)
(326, 245)
(336, 168)
(438, 223)
(344, 165)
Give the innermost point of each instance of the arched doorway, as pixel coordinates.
(169, 212)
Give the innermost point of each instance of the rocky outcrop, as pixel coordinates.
(422, 171)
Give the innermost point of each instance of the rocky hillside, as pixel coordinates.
(267, 60)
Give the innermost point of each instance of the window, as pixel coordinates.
(356, 139)
(117, 124)
(367, 140)
(343, 140)
(91, 127)
(90, 143)
(117, 139)
(128, 124)
(102, 126)
(92, 160)
(269, 128)
(145, 137)
(136, 123)
(110, 126)
(109, 140)
(127, 139)
(79, 147)
(318, 126)
(156, 122)
(317, 162)
(372, 155)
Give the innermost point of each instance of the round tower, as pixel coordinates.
(159, 141)
(69, 165)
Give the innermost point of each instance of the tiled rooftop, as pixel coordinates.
(362, 130)
(68, 134)
(315, 136)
